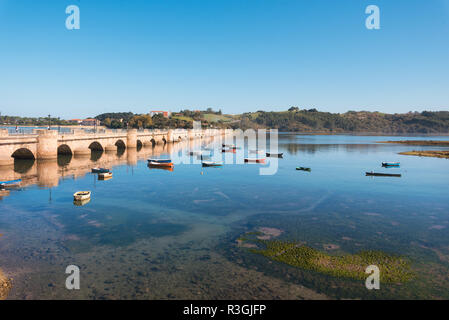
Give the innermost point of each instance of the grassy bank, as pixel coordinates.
(427, 153)
(419, 142)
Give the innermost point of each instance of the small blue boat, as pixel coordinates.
(10, 183)
(160, 160)
(100, 170)
(390, 164)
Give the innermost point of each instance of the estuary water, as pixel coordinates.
(159, 234)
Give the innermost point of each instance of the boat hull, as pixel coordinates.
(81, 195)
(159, 160)
(160, 164)
(249, 160)
(274, 155)
(10, 183)
(379, 174)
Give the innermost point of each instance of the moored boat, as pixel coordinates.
(81, 195)
(273, 154)
(381, 174)
(10, 183)
(255, 160)
(159, 160)
(228, 150)
(99, 170)
(105, 175)
(391, 164)
(211, 164)
(161, 164)
(303, 169)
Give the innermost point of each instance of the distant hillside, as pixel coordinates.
(426, 122)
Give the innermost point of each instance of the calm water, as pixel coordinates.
(156, 234)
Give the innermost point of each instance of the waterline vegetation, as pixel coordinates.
(394, 269)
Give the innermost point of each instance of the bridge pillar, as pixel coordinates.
(191, 134)
(47, 145)
(131, 140)
(170, 136)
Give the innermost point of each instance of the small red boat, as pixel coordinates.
(161, 164)
(228, 150)
(255, 160)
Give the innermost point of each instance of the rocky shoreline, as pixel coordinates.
(5, 286)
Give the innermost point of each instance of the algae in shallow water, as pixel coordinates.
(393, 269)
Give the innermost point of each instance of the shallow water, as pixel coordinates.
(156, 234)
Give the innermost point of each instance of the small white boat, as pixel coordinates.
(105, 175)
(212, 164)
(81, 195)
(199, 153)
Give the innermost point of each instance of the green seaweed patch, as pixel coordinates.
(393, 269)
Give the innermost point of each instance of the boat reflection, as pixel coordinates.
(80, 203)
(48, 173)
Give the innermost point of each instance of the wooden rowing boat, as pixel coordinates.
(81, 195)
(390, 164)
(255, 160)
(271, 154)
(159, 160)
(161, 164)
(228, 150)
(105, 175)
(99, 170)
(211, 164)
(380, 174)
(10, 183)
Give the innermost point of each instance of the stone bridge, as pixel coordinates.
(47, 144)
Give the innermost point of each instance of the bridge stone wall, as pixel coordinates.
(46, 144)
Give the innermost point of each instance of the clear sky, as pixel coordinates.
(237, 55)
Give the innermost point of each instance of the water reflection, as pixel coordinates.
(47, 173)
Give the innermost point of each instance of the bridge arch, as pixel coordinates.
(139, 144)
(23, 153)
(64, 149)
(153, 142)
(164, 140)
(120, 144)
(96, 146)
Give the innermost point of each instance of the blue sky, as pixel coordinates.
(237, 55)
